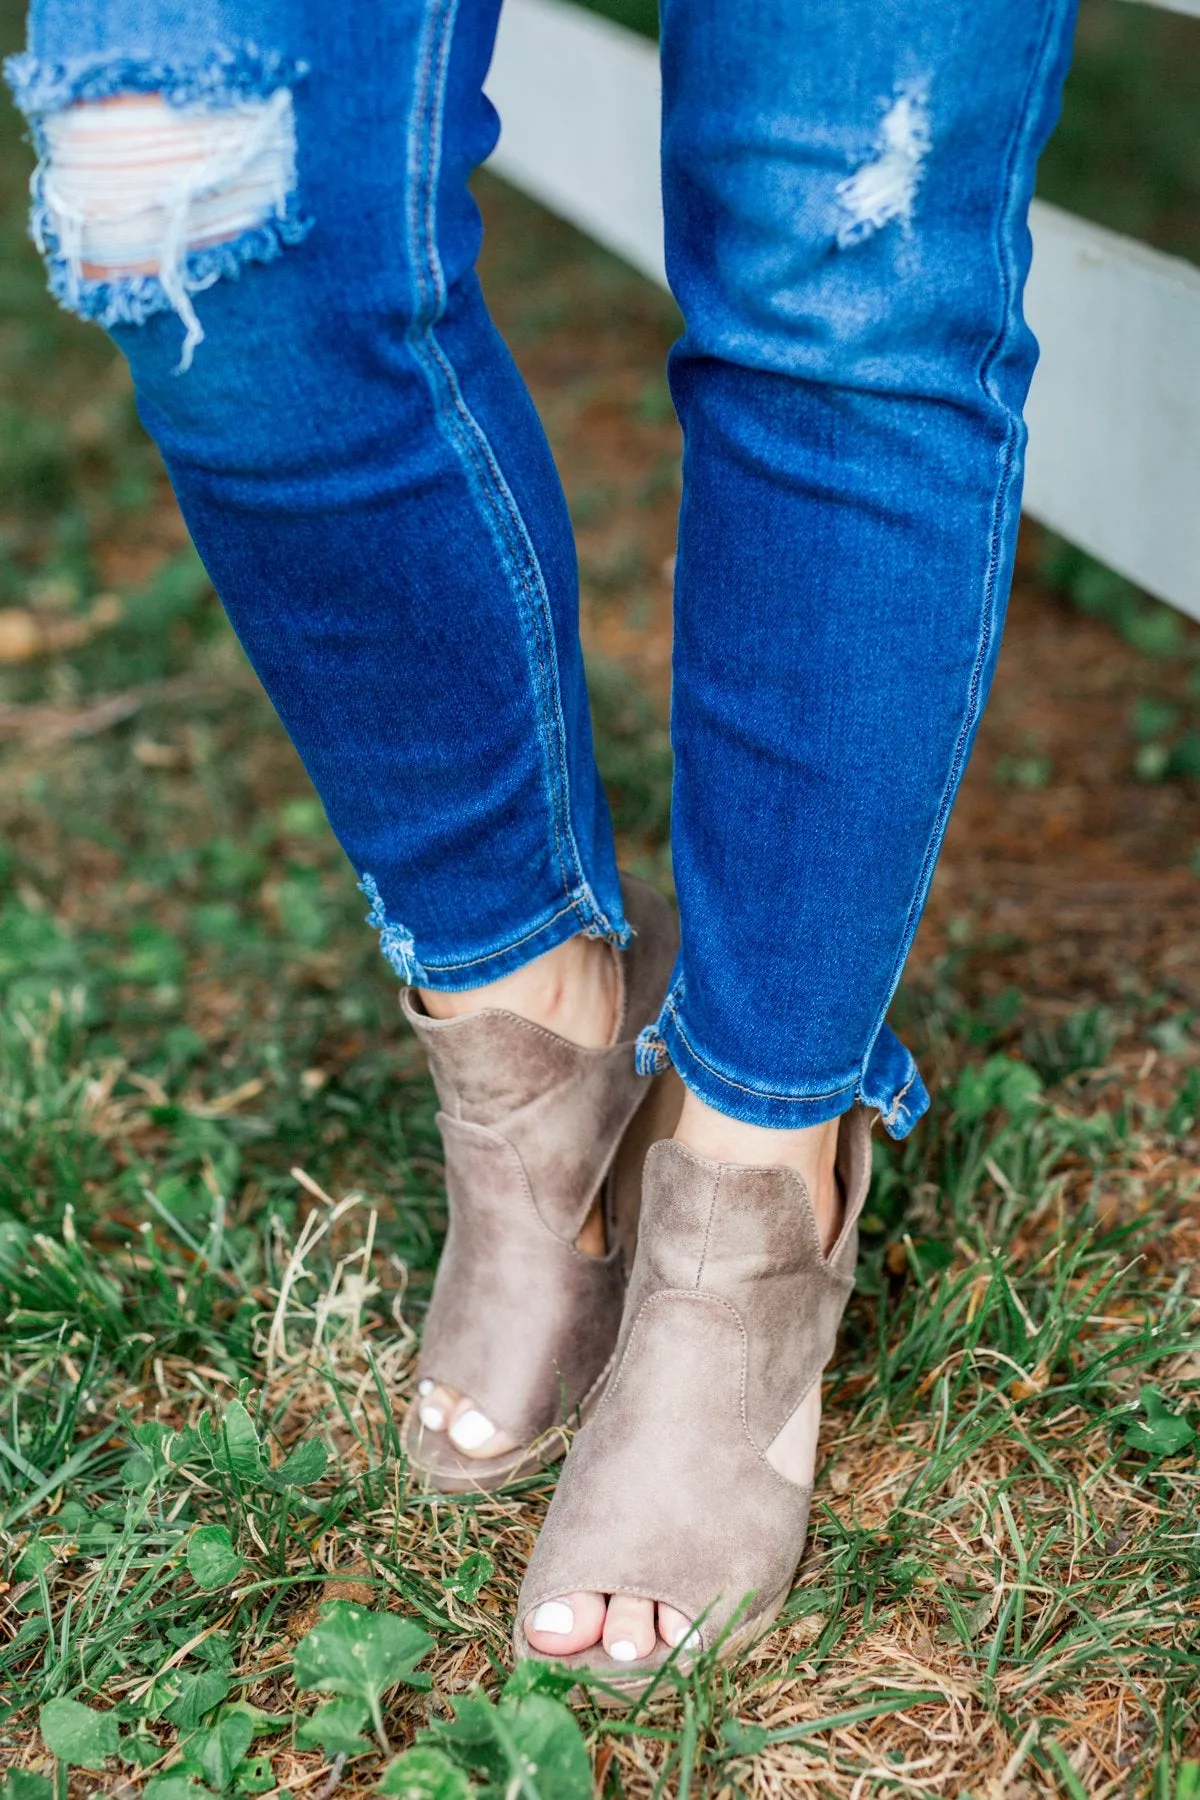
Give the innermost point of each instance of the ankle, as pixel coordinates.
(573, 990)
(811, 1152)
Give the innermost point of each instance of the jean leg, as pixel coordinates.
(354, 451)
(846, 189)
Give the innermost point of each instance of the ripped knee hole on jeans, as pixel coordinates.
(153, 183)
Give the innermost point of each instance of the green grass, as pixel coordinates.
(1005, 1534)
(221, 1202)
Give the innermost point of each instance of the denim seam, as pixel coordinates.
(484, 476)
(741, 1087)
(988, 609)
(472, 962)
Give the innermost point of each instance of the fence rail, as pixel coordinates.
(1114, 416)
(1190, 7)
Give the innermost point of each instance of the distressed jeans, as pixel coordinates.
(266, 203)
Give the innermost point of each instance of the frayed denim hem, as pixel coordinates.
(580, 917)
(889, 1083)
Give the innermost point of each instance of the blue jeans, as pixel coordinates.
(846, 186)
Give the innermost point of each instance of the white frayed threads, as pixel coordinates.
(396, 941)
(884, 189)
(131, 185)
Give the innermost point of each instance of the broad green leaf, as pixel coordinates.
(220, 1748)
(239, 1451)
(35, 1557)
(198, 1695)
(305, 1465)
(254, 1775)
(472, 1574)
(26, 1784)
(77, 1734)
(140, 1750)
(163, 1692)
(548, 1744)
(216, 1650)
(1161, 1432)
(534, 1677)
(176, 1787)
(743, 1737)
(530, 1743)
(471, 1740)
(154, 1444)
(211, 1558)
(263, 1724)
(336, 1728)
(424, 1773)
(139, 1473)
(360, 1654)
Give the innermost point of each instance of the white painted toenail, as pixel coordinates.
(432, 1417)
(425, 1387)
(554, 1616)
(687, 1637)
(472, 1430)
(623, 1651)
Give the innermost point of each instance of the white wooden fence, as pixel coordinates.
(1114, 415)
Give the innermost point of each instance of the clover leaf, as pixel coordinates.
(25, 1784)
(469, 1738)
(237, 1450)
(529, 1744)
(217, 1751)
(424, 1773)
(198, 1695)
(36, 1557)
(77, 1734)
(531, 1676)
(254, 1775)
(744, 1737)
(304, 1466)
(472, 1574)
(176, 1787)
(1162, 1433)
(211, 1558)
(361, 1655)
(545, 1747)
(336, 1729)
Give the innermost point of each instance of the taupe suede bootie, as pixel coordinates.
(732, 1313)
(534, 1128)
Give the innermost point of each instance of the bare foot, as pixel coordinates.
(629, 1627)
(575, 991)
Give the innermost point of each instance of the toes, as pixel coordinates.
(629, 1628)
(561, 1627)
(674, 1628)
(472, 1432)
(436, 1405)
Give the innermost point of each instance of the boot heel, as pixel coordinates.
(655, 1118)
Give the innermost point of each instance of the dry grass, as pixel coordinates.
(1000, 1596)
